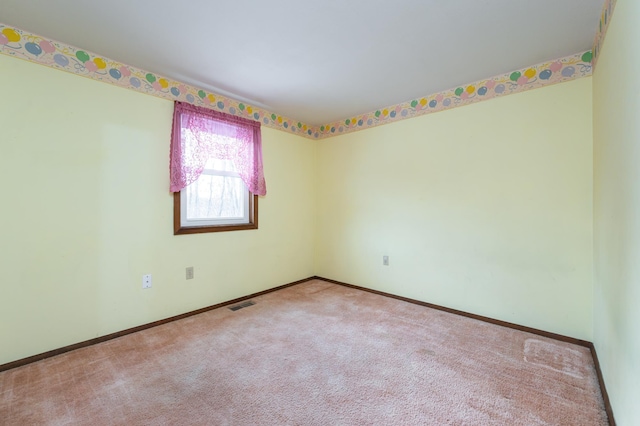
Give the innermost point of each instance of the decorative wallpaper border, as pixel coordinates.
(603, 26)
(34, 48)
(544, 74)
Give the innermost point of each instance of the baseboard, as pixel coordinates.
(560, 337)
(86, 343)
(555, 336)
(603, 388)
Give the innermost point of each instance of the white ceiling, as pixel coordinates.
(318, 61)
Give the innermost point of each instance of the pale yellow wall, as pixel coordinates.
(485, 208)
(616, 112)
(86, 212)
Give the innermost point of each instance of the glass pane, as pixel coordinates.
(220, 165)
(216, 197)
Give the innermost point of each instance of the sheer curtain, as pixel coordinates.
(199, 134)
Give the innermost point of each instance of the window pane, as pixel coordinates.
(220, 165)
(216, 197)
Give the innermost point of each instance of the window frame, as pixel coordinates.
(178, 229)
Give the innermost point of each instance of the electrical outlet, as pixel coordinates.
(146, 281)
(190, 272)
(385, 260)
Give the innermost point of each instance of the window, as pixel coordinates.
(218, 201)
(216, 171)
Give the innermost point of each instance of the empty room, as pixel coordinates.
(320, 213)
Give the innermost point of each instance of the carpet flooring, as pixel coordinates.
(316, 353)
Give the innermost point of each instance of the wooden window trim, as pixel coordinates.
(179, 230)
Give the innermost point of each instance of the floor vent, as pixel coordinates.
(242, 305)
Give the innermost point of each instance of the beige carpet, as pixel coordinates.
(313, 354)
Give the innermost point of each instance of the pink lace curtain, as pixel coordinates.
(199, 134)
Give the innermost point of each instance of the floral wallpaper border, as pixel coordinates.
(544, 74)
(603, 26)
(34, 48)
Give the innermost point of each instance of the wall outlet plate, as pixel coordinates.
(385, 260)
(146, 281)
(189, 272)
